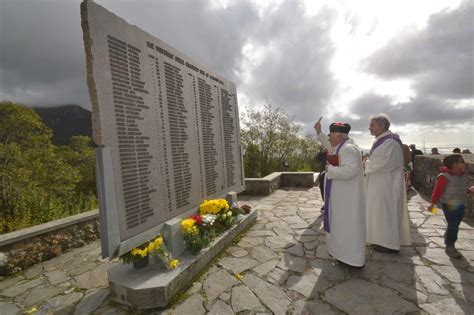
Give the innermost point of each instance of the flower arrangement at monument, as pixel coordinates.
(139, 256)
(215, 216)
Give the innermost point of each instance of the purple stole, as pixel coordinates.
(327, 194)
(382, 140)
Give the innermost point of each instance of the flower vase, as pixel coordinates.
(140, 263)
(165, 257)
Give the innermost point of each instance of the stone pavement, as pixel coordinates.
(279, 266)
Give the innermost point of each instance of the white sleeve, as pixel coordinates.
(323, 138)
(386, 158)
(351, 164)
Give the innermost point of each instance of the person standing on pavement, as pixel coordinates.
(344, 210)
(387, 212)
(451, 189)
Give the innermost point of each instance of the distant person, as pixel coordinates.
(414, 151)
(407, 165)
(456, 150)
(434, 151)
(451, 189)
(387, 212)
(344, 210)
(466, 151)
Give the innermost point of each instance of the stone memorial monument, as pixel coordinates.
(168, 133)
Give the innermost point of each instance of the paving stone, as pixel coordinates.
(279, 242)
(9, 309)
(33, 272)
(305, 284)
(408, 291)
(307, 238)
(254, 241)
(261, 233)
(225, 297)
(96, 278)
(322, 252)
(399, 272)
(448, 306)
(293, 263)
(310, 307)
(372, 270)
(263, 253)
(61, 304)
(276, 223)
(277, 276)
(283, 231)
(220, 308)
(328, 270)
(362, 297)
(431, 281)
(456, 275)
(113, 310)
(243, 299)
(195, 288)
(91, 301)
(237, 251)
(272, 296)
(21, 287)
(296, 250)
(301, 225)
(192, 305)
(4, 284)
(311, 245)
(56, 276)
(266, 267)
(217, 283)
(465, 291)
(237, 265)
(81, 268)
(465, 244)
(39, 294)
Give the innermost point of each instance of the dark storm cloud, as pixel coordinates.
(439, 58)
(42, 56)
(295, 72)
(42, 59)
(212, 36)
(423, 111)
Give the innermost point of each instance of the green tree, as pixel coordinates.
(270, 138)
(37, 184)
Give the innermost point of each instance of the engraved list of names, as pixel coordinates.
(172, 124)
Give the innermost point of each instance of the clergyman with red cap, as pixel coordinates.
(344, 209)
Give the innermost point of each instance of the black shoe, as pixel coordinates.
(382, 249)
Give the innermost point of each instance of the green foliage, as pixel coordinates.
(40, 182)
(270, 138)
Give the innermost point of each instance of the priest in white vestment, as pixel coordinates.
(344, 201)
(387, 212)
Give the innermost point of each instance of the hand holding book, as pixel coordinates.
(333, 159)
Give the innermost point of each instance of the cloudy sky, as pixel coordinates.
(344, 60)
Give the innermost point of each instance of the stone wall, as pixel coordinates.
(268, 184)
(427, 169)
(24, 248)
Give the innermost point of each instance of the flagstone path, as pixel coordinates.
(279, 266)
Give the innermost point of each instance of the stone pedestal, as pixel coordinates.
(155, 287)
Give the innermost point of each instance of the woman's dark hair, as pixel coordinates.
(449, 160)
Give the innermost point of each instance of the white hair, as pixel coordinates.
(382, 120)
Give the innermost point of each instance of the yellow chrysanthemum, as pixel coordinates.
(213, 206)
(174, 263)
(140, 252)
(188, 226)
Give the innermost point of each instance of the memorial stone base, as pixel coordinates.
(154, 286)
